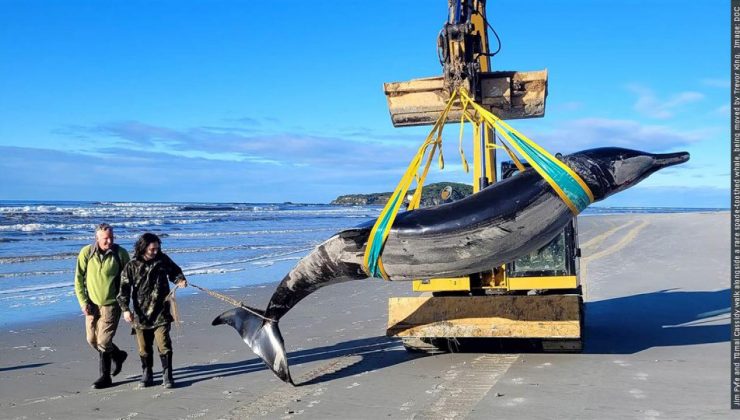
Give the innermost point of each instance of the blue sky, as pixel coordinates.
(233, 101)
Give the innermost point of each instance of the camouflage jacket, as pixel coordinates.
(148, 283)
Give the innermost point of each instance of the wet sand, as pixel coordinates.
(657, 346)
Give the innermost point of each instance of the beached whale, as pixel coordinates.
(500, 223)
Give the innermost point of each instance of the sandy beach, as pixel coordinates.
(657, 347)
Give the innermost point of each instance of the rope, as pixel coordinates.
(173, 305)
(174, 312)
(232, 301)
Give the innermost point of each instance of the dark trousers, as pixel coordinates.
(145, 339)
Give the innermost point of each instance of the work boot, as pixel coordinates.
(167, 380)
(119, 356)
(104, 381)
(146, 371)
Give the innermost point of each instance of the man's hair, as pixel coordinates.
(103, 227)
(143, 242)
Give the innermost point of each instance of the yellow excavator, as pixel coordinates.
(535, 299)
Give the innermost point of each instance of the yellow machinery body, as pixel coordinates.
(515, 301)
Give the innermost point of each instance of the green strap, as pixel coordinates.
(563, 179)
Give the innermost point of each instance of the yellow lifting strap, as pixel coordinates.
(566, 183)
(372, 263)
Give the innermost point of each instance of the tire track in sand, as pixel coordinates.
(463, 387)
(598, 240)
(286, 396)
(466, 385)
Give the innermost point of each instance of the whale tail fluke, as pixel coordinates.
(262, 336)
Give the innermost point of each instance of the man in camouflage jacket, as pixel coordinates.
(146, 278)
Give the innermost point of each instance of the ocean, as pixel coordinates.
(219, 246)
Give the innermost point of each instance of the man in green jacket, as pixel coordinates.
(97, 280)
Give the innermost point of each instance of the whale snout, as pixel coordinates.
(670, 159)
(614, 169)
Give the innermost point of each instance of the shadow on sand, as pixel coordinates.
(28, 366)
(632, 324)
(613, 326)
(664, 318)
(368, 354)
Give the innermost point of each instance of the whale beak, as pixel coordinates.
(670, 159)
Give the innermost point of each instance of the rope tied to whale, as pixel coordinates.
(231, 301)
(564, 181)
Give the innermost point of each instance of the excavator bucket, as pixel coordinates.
(508, 94)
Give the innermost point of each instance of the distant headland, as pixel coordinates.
(431, 195)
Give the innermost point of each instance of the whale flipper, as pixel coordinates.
(262, 336)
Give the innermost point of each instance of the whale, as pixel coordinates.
(494, 226)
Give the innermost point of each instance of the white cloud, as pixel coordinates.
(574, 135)
(154, 176)
(568, 106)
(690, 197)
(223, 143)
(716, 82)
(215, 163)
(723, 110)
(650, 105)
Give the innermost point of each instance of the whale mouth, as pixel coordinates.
(670, 159)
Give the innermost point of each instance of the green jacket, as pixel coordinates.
(147, 283)
(98, 275)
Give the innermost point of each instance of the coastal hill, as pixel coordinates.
(431, 195)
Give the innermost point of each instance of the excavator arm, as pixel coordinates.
(464, 54)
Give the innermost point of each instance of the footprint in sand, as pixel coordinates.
(436, 390)
(202, 413)
(637, 393)
(652, 414)
(515, 401)
(163, 393)
(451, 375)
(319, 392)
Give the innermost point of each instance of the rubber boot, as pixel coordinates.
(146, 371)
(119, 356)
(167, 380)
(104, 381)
